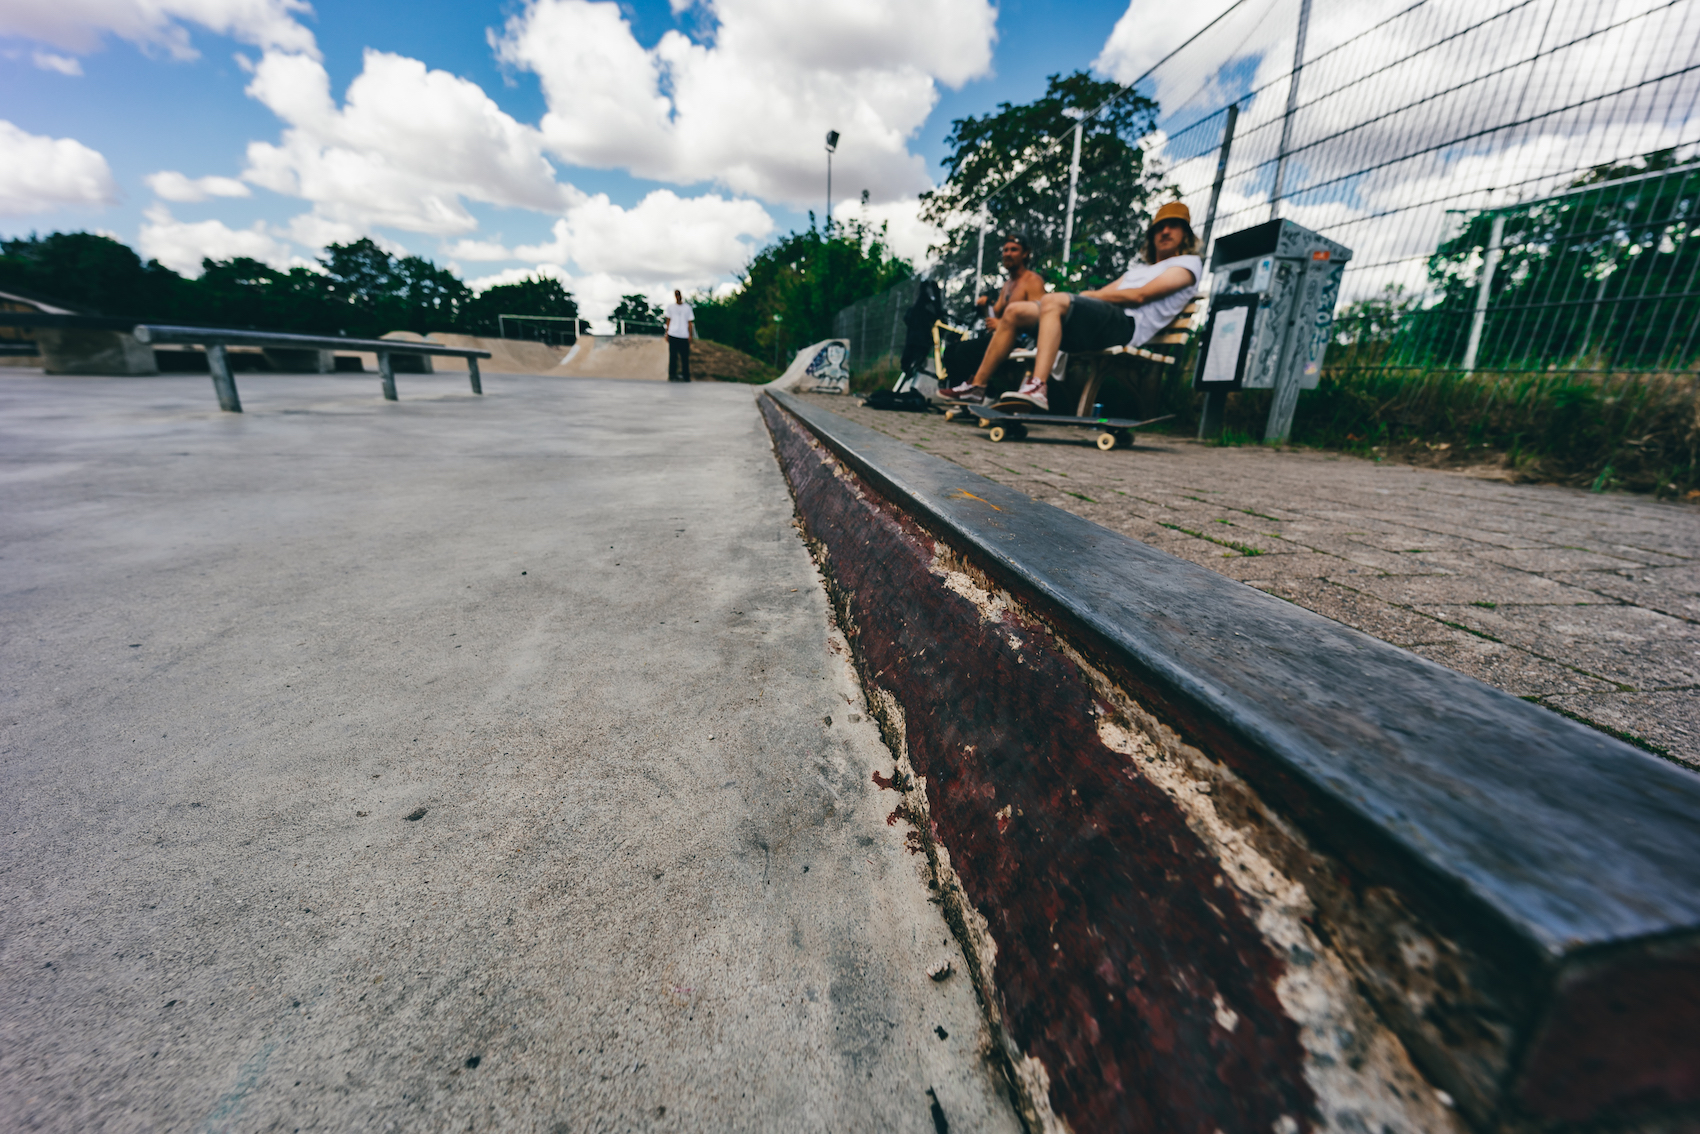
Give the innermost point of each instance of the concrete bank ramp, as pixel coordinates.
(616, 356)
(507, 356)
(457, 763)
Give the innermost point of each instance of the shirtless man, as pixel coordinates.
(1129, 312)
(1024, 284)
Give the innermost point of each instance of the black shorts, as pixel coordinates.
(1093, 324)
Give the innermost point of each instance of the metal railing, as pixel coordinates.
(216, 340)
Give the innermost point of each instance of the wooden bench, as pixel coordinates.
(1174, 336)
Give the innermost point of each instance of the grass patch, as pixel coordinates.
(1243, 549)
(1079, 496)
(1604, 430)
(1486, 605)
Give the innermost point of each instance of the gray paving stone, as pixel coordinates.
(1627, 644)
(1509, 668)
(1664, 720)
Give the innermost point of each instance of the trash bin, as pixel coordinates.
(1272, 295)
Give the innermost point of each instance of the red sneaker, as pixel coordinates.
(1032, 392)
(967, 393)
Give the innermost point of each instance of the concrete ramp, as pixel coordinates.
(507, 356)
(615, 356)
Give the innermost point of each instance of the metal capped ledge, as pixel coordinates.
(1567, 860)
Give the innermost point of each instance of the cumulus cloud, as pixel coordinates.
(80, 25)
(64, 64)
(39, 173)
(170, 185)
(405, 149)
(478, 250)
(749, 110)
(906, 233)
(181, 245)
(690, 240)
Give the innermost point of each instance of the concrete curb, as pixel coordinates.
(1222, 863)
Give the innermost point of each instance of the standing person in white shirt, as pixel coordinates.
(1129, 312)
(681, 329)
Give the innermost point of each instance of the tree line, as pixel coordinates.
(358, 289)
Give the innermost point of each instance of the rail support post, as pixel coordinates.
(218, 363)
(386, 373)
(472, 367)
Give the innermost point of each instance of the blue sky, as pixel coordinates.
(157, 93)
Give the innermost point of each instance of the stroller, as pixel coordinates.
(918, 379)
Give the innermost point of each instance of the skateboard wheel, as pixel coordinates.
(1108, 441)
(985, 421)
(998, 432)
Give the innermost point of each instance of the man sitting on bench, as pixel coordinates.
(1130, 312)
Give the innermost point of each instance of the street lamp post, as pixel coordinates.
(831, 145)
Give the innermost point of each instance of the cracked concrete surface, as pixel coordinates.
(1588, 604)
(456, 763)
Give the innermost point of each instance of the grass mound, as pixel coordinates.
(727, 364)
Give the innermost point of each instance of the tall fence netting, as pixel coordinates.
(875, 326)
(1517, 180)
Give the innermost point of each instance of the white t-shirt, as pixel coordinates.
(679, 316)
(1154, 316)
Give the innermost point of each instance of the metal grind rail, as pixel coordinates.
(217, 340)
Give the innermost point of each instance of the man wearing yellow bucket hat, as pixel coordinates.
(1129, 312)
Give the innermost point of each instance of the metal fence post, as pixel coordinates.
(1292, 106)
(1210, 417)
(477, 386)
(218, 363)
(1490, 261)
(386, 373)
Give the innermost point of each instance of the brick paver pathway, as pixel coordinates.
(1588, 604)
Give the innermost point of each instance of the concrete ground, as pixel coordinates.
(452, 764)
(1588, 604)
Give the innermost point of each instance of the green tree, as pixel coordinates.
(1600, 276)
(637, 309)
(534, 295)
(377, 292)
(92, 274)
(1026, 150)
(790, 290)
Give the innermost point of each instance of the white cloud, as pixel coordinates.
(39, 173)
(174, 186)
(480, 250)
(181, 245)
(64, 64)
(906, 233)
(683, 242)
(750, 109)
(79, 25)
(404, 150)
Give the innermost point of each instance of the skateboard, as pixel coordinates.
(1005, 423)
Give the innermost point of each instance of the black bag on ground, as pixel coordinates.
(910, 400)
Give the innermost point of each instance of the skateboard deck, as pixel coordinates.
(1002, 425)
(1008, 412)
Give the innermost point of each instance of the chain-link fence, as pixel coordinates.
(1517, 178)
(874, 325)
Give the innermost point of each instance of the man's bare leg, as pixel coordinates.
(1052, 307)
(1015, 317)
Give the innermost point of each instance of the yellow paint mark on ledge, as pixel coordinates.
(964, 494)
